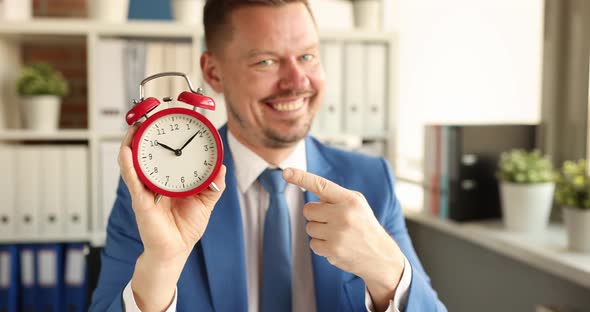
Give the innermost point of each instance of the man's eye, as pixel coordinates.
(306, 57)
(266, 62)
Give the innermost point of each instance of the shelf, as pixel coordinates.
(546, 251)
(112, 136)
(31, 239)
(45, 26)
(149, 29)
(145, 28)
(29, 135)
(81, 27)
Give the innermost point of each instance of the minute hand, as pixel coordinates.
(189, 140)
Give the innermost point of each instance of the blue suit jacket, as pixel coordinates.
(214, 277)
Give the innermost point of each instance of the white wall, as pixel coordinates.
(465, 61)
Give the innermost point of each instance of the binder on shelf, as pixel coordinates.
(330, 115)
(460, 166)
(109, 179)
(443, 210)
(355, 99)
(28, 289)
(155, 63)
(376, 91)
(8, 190)
(50, 277)
(9, 278)
(76, 189)
(182, 60)
(75, 279)
(110, 85)
(51, 212)
(135, 63)
(28, 186)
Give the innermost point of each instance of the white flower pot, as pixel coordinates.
(577, 225)
(111, 11)
(367, 14)
(526, 207)
(16, 9)
(188, 11)
(41, 113)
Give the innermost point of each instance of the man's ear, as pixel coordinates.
(211, 71)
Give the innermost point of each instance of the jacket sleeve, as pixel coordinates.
(123, 247)
(421, 296)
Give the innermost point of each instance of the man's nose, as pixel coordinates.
(293, 76)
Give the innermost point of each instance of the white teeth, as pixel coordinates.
(288, 106)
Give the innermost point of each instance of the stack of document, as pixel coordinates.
(46, 194)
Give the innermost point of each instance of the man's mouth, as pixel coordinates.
(288, 106)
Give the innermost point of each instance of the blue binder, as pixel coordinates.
(28, 291)
(75, 278)
(9, 278)
(50, 277)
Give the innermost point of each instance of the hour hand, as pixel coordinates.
(167, 147)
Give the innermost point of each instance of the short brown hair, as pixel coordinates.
(216, 17)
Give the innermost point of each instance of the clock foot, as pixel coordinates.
(214, 187)
(157, 199)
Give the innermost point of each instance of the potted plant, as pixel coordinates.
(573, 194)
(527, 183)
(41, 88)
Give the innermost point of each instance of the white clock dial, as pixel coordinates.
(177, 152)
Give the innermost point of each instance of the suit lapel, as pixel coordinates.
(327, 278)
(223, 245)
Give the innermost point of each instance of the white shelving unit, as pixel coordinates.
(13, 34)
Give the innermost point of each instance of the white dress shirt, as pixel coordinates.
(254, 202)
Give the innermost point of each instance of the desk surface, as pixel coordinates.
(546, 251)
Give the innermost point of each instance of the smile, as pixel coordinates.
(288, 106)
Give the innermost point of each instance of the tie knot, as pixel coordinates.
(272, 181)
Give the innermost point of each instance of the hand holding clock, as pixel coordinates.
(169, 230)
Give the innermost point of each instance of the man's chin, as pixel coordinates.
(280, 139)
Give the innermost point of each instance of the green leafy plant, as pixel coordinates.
(523, 167)
(41, 79)
(573, 185)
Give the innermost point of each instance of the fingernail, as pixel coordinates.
(287, 173)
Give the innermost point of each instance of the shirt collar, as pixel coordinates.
(248, 166)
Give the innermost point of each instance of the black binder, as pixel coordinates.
(474, 153)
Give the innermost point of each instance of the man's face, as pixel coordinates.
(271, 74)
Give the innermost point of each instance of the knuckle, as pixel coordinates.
(321, 184)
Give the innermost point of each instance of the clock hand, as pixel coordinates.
(189, 140)
(168, 148)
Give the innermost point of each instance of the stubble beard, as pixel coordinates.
(272, 138)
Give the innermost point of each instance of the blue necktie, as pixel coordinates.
(276, 246)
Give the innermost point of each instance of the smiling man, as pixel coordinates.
(298, 226)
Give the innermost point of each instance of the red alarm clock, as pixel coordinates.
(177, 152)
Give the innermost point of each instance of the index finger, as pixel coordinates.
(324, 189)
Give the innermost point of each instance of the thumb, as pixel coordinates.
(210, 197)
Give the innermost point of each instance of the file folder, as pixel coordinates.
(8, 278)
(75, 277)
(8, 190)
(50, 277)
(28, 290)
(51, 212)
